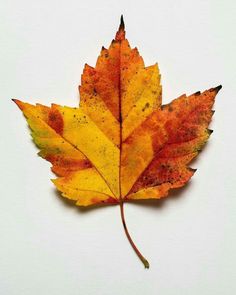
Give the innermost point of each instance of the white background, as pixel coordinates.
(48, 246)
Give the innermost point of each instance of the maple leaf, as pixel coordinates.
(121, 144)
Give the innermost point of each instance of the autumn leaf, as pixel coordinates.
(121, 144)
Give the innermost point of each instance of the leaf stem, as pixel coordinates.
(143, 259)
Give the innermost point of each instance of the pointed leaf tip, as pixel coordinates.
(122, 24)
(16, 101)
(120, 35)
(216, 89)
(210, 131)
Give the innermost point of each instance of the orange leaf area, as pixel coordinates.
(121, 144)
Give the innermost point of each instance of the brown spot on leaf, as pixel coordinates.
(55, 120)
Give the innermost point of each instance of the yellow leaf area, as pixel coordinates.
(121, 144)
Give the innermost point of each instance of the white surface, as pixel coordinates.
(49, 247)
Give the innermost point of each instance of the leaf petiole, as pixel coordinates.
(141, 257)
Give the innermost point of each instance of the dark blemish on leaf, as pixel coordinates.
(55, 121)
(170, 108)
(146, 106)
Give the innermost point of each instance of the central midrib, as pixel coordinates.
(120, 120)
